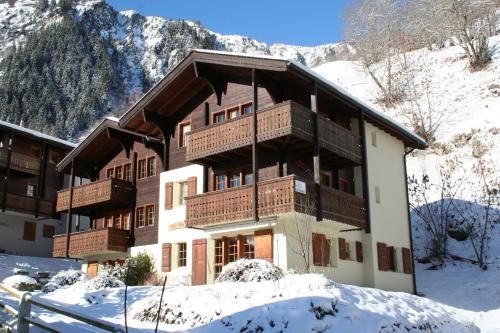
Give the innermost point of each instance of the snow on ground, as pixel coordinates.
(9, 264)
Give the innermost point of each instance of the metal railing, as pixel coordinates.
(19, 320)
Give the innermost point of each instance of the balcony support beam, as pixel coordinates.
(157, 147)
(216, 82)
(131, 239)
(164, 125)
(364, 171)
(255, 161)
(316, 150)
(69, 217)
(7, 171)
(41, 179)
(125, 139)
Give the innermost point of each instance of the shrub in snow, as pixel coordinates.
(21, 282)
(254, 270)
(179, 277)
(104, 280)
(64, 278)
(135, 270)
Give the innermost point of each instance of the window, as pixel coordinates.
(110, 173)
(220, 182)
(235, 180)
(118, 221)
(183, 192)
(126, 221)
(31, 190)
(119, 172)
(374, 139)
(233, 113)
(218, 258)
(249, 247)
(248, 178)
(141, 169)
(150, 215)
(348, 251)
(344, 185)
(127, 173)
(109, 221)
(232, 249)
(247, 108)
(141, 218)
(326, 178)
(393, 263)
(48, 231)
(181, 255)
(184, 129)
(151, 167)
(219, 117)
(377, 194)
(29, 232)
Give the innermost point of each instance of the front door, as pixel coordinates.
(199, 275)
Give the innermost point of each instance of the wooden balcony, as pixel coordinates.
(110, 192)
(91, 242)
(275, 123)
(20, 162)
(27, 205)
(277, 196)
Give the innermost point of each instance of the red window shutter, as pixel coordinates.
(392, 259)
(29, 233)
(241, 246)
(359, 252)
(407, 269)
(166, 257)
(342, 249)
(191, 186)
(317, 248)
(383, 260)
(169, 195)
(325, 251)
(225, 251)
(263, 243)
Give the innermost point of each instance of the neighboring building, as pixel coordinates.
(28, 185)
(314, 169)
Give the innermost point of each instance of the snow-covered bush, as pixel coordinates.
(104, 280)
(134, 271)
(254, 270)
(64, 278)
(179, 277)
(21, 282)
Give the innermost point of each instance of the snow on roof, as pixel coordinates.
(37, 134)
(239, 54)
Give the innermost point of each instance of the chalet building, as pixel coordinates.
(28, 185)
(234, 156)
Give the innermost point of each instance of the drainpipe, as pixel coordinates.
(409, 223)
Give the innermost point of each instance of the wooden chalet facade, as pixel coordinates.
(244, 147)
(28, 186)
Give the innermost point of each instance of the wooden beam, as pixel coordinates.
(274, 88)
(364, 166)
(164, 124)
(41, 178)
(316, 149)
(216, 82)
(69, 217)
(7, 171)
(125, 139)
(157, 147)
(255, 161)
(131, 239)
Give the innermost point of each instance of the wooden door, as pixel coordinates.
(264, 245)
(199, 275)
(92, 268)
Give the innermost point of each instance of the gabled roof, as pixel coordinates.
(37, 135)
(182, 79)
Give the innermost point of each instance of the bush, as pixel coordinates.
(64, 278)
(21, 282)
(253, 270)
(135, 270)
(104, 280)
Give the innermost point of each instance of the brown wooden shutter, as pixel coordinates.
(199, 274)
(225, 250)
(392, 259)
(264, 244)
(342, 249)
(325, 251)
(166, 257)
(191, 186)
(359, 252)
(169, 195)
(383, 260)
(241, 246)
(317, 249)
(407, 269)
(29, 233)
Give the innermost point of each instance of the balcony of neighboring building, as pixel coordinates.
(276, 196)
(92, 242)
(105, 194)
(20, 162)
(27, 204)
(283, 125)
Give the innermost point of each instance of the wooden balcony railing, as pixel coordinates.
(283, 119)
(27, 205)
(20, 162)
(91, 242)
(276, 196)
(110, 191)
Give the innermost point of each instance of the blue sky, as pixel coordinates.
(304, 23)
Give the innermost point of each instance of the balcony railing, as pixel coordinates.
(20, 162)
(100, 241)
(277, 196)
(27, 205)
(283, 119)
(110, 191)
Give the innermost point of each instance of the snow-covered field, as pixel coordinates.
(9, 264)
